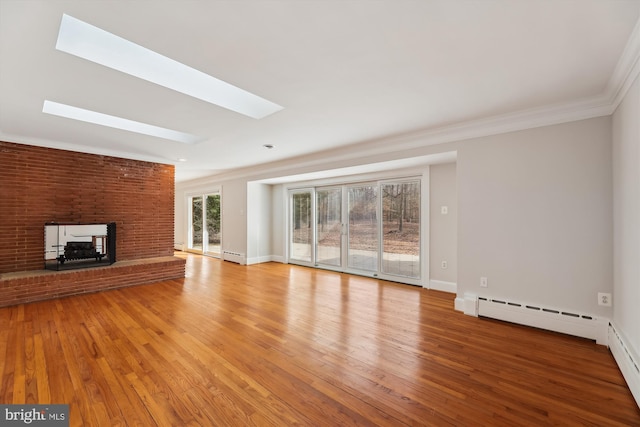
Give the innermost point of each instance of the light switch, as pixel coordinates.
(444, 210)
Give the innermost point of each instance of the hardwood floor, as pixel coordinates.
(280, 345)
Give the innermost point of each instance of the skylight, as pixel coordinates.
(94, 44)
(70, 112)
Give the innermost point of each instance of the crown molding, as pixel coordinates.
(510, 122)
(396, 145)
(399, 145)
(627, 69)
(98, 151)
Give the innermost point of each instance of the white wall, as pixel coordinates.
(259, 222)
(626, 196)
(278, 223)
(535, 216)
(443, 239)
(234, 216)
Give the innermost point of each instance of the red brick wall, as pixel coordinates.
(41, 185)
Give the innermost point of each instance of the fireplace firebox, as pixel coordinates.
(72, 246)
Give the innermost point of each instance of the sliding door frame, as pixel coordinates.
(296, 254)
(316, 240)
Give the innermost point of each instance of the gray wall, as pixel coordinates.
(626, 191)
(443, 239)
(535, 215)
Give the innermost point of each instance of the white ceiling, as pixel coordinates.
(345, 71)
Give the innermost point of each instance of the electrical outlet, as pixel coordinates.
(484, 282)
(443, 265)
(604, 299)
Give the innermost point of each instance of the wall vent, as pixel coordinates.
(553, 319)
(236, 257)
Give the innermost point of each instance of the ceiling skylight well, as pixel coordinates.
(94, 44)
(70, 112)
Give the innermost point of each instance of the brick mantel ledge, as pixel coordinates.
(30, 286)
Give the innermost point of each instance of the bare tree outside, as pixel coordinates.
(196, 223)
(401, 228)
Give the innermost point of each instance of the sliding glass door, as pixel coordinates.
(363, 227)
(329, 226)
(367, 228)
(401, 228)
(195, 224)
(300, 227)
(212, 224)
(204, 224)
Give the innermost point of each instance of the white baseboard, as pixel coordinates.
(441, 285)
(259, 260)
(627, 361)
(550, 318)
(237, 257)
(178, 246)
(468, 304)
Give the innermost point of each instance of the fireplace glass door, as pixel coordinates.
(72, 246)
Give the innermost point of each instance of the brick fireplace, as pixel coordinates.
(43, 185)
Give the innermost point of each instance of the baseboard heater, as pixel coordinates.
(568, 322)
(236, 257)
(628, 363)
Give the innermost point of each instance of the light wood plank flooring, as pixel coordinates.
(280, 345)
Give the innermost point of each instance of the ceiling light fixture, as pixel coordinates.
(75, 113)
(94, 44)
